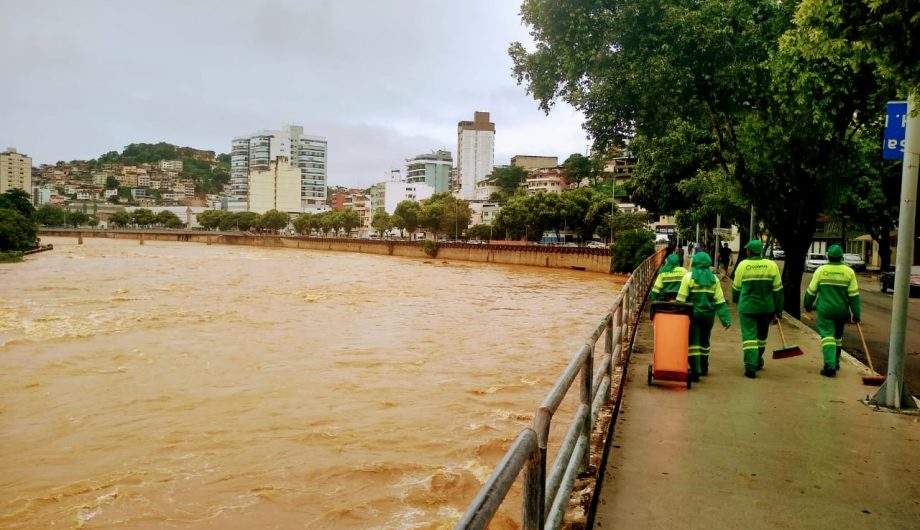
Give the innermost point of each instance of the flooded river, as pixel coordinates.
(179, 385)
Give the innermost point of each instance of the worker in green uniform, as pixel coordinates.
(834, 292)
(668, 280)
(758, 291)
(701, 288)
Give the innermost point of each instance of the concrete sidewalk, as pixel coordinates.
(790, 449)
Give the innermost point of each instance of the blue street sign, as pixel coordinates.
(895, 126)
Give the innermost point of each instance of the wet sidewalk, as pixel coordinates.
(790, 449)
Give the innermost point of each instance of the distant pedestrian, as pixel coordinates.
(701, 288)
(758, 290)
(835, 293)
(725, 257)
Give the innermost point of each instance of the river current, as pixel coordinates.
(180, 385)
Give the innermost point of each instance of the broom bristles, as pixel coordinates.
(785, 353)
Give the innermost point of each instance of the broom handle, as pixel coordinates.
(865, 348)
(781, 334)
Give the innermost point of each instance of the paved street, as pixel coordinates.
(876, 320)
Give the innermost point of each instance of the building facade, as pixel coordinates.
(548, 180)
(15, 171)
(531, 162)
(397, 189)
(275, 188)
(305, 152)
(475, 153)
(432, 169)
(171, 165)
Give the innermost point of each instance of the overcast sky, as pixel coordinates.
(382, 80)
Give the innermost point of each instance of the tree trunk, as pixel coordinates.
(793, 269)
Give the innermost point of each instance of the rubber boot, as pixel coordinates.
(694, 361)
(750, 374)
(704, 365)
(827, 371)
(839, 349)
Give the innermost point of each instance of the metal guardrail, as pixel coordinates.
(546, 497)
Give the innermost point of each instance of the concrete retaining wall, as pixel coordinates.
(588, 259)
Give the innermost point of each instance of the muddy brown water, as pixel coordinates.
(179, 385)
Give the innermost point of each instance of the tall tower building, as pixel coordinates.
(255, 152)
(475, 153)
(15, 171)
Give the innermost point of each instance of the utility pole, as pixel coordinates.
(751, 229)
(613, 204)
(894, 393)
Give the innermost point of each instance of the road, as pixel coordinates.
(876, 322)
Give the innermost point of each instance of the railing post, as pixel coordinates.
(587, 380)
(534, 516)
(608, 350)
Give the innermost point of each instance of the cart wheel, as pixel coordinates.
(689, 382)
(650, 375)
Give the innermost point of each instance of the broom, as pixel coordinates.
(874, 379)
(786, 351)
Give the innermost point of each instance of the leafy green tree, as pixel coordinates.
(76, 219)
(210, 219)
(350, 219)
(443, 213)
(578, 167)
(381, 222)
(409, 214)
(111, 183)
(303, 223)
(483, 232)
(247, 220)
(626, 221)
(326, 223)
(49, 215)
(120, 219)
(228, 222)
(19, 200)
(507, 178)
(167, 218)
(630, 249)
(143, 217)
(93, 221)
(274, 220)
(16, 231)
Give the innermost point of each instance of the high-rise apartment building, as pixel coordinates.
(475, 153)
(432, 169)
(303, 151)
(15, 171)
(275, 188)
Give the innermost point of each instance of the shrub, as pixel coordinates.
(16, 232)
(430, 248)
(630, 249)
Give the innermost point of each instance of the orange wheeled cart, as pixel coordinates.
(671, 321)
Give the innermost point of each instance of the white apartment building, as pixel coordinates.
(275, 188)
(171, 165)
(15, 171)
(547, 180)
(256, 151)
(475, 153)
(397, 189)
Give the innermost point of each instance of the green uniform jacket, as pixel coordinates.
(758, 288)
(836, 291)
(707, 301)
(667, 282)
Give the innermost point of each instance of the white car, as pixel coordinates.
(855, 262)
(814, 261)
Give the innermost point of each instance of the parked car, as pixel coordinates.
(855, 262)
(886, 279)
(814, 261)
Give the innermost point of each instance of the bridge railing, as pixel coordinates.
(546, 496)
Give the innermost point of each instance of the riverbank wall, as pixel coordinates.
(587, 259)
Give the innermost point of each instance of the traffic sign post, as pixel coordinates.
(894, 392)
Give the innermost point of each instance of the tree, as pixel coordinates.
(76, 219)
(19, 200)
(168, 219)
(49, 215)
(381, 222)
(303, 223)
(507, 178)
(210, 219)
(739, 75)
(111, 183)
(630, 249)
(143, 217)
(120, 219)
(444, 213)
(350, 220)
(409, 213)
(274, 220)
(626, 221)
(482, 232)
(578, 167)
(16, 231)
(228, 222)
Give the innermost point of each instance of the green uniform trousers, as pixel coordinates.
(700, 333)
(831, 331)
(754, 330)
